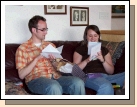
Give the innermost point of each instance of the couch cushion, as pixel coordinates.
(120, 63)
(10, 50)
(12, 75)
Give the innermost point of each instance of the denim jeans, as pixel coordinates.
(103, 84)
(65, 84)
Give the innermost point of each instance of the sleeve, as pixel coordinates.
(78, 50)
(20, 59)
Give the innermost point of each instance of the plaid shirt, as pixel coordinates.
(26, 53)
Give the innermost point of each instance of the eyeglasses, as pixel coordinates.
(43, 30)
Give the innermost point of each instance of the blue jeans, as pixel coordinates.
(65, 84)
(103, 84)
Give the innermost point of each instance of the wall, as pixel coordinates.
(118, 24)
(17, 17)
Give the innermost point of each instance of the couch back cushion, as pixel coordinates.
(120, 63)
(10, 50)
(11, 73)
(68, 48)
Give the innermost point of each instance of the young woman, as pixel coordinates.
(99, 72)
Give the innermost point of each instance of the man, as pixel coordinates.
(40, 76)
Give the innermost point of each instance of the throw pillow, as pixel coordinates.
(115, 49)
(118, 52)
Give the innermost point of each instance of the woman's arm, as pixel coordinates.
(107, 62)
(77, 58)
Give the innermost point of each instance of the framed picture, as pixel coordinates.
(79, 16)
(55, 9)
(118, 11)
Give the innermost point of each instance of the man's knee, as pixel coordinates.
(77, 87)
(78, 82)
(53, 89)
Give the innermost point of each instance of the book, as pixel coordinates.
(56, 52)
(93, 49)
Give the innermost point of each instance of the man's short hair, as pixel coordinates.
(34, 21)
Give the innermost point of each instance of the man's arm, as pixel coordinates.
(26, 70)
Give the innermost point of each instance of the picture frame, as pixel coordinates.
(79, 16)
(55, 9)
(118, 11)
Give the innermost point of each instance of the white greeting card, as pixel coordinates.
(93, 49)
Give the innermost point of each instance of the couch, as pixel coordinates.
(11, 74)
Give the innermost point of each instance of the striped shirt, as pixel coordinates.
(26, 53)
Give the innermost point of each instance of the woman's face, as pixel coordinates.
(92, 36)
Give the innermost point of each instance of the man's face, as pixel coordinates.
(41, 30)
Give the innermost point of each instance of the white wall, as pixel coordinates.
(118, 23)
(17, 17)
